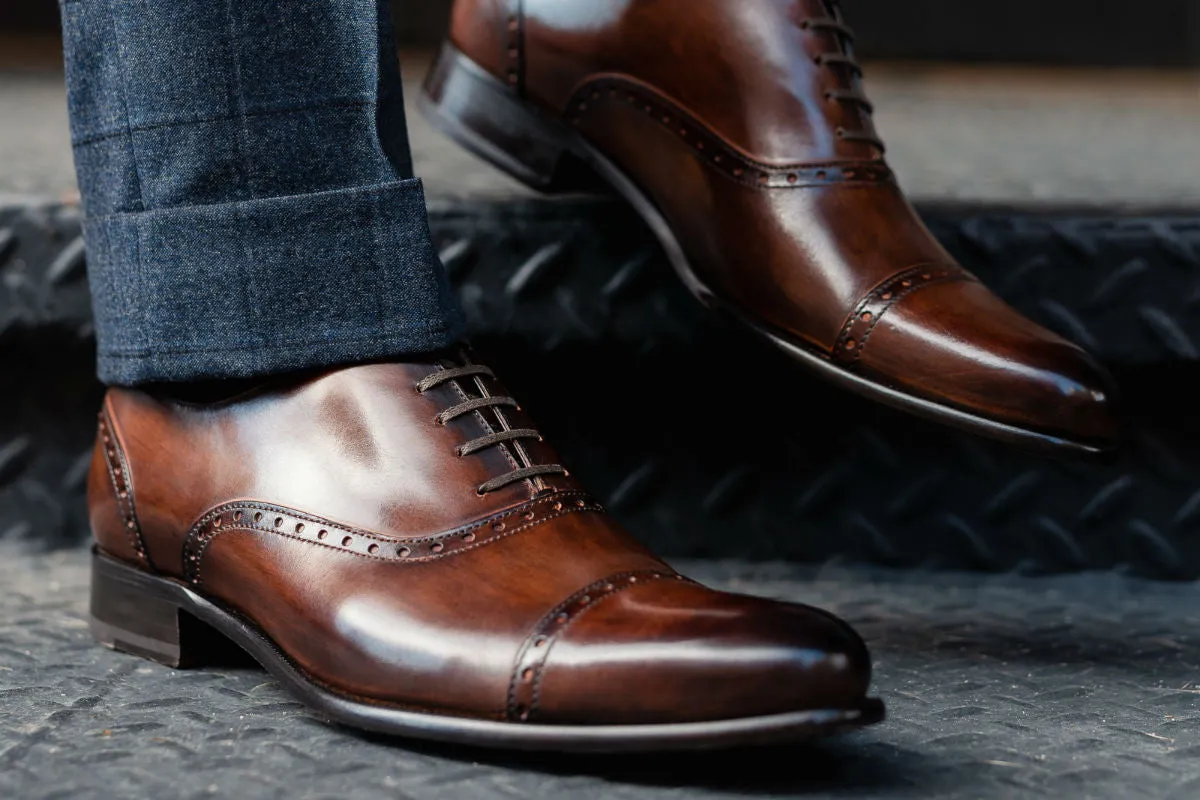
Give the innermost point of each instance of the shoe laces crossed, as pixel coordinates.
(843, 59)
(500, 437)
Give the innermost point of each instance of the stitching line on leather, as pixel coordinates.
(554, 624)
(515, 23)
(521, 44)
(203, 533)
(857, 330)
(394, 559)
(117, 463)
(712, 148)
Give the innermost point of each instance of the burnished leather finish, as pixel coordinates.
(340, 517)
(741, 133)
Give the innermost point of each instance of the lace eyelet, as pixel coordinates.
(479, 491)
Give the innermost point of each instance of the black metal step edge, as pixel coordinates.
(703, 442)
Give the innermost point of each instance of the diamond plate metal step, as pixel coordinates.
(644, 394)
(997, 687)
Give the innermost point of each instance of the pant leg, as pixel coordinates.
(247, 186)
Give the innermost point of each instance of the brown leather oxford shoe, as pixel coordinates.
(397, 544)
(739, 131)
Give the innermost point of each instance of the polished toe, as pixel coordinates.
(649, 653)
(958, 344)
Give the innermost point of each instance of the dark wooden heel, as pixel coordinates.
(488, 118)
(135, 613)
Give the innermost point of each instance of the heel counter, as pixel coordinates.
(111, 509)
(491, 33)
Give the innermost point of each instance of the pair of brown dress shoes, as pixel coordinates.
(397, 543)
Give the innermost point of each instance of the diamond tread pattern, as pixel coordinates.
(705, 442)
(997, 687)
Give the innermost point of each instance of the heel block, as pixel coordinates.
(488, 118)
(132, 613)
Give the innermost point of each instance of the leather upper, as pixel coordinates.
(744, 125)
(336, 515)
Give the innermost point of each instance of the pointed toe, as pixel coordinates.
(958, 344)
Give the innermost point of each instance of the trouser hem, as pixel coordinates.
(269, 285)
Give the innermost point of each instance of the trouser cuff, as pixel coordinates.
(265, 286)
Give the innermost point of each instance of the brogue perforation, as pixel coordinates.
(712, 149)
(249, 516)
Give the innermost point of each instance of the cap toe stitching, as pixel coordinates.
(861, 322)
(524, 695)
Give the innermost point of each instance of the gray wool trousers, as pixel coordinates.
(249, 200)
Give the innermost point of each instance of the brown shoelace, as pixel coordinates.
(845, 60)
(492, 439)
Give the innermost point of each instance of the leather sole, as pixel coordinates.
(487, 118)
(166, 621)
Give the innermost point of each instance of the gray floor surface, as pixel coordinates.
(998, 687)
(987, 135)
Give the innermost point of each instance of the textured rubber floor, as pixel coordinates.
(1080, 686)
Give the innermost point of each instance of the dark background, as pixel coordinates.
(1080, 32)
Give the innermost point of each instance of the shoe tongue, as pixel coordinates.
(457, 355)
